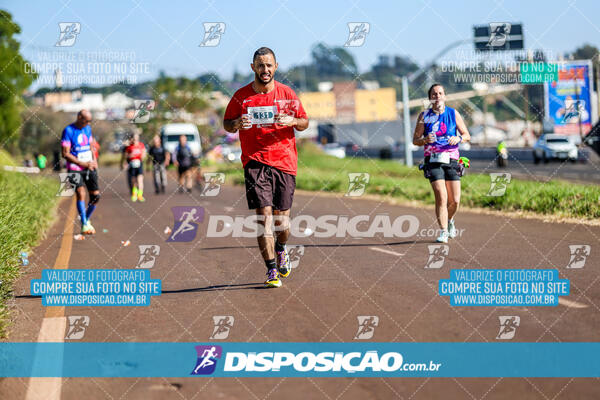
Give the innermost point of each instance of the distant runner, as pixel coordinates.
(135, 154)
(440, 129)
(266, 112)
(160, 159)
(82, 166)
(184, 160)
(41, 161)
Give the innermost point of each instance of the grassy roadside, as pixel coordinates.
(319, 172)
(26, 209)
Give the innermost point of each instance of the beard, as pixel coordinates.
(259, 79)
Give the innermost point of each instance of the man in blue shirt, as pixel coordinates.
(82, 166)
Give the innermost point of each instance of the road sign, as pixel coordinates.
(498, 36)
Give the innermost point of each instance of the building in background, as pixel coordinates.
(343, 103)
(319, 105)
(375, 105)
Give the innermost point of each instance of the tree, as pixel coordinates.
(585, 52)
(333, 63)
(14, 79)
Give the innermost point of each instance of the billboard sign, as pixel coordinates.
(568, 100)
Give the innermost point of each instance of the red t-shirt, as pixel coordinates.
(135, 151)
(267, 142)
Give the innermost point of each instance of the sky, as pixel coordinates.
(165, 35)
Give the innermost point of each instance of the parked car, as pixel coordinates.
(170, 137)
(334, 149)
(554, 147)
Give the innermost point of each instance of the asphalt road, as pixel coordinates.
(587, 173)
(336, 280)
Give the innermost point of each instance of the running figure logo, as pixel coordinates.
(77, 327)
(437, 255)
(212, 33)
(186, 223)
(366, 326)
(68, 33)
(574, 110)
(212, 183)
(68, 182)
(358, 33)
(579, 253)
(499, 32)
(207, 359)
(358, 182)
(499, 183)
(143, 109)
(295, 252)
(148, 254)
(223, 324)
(508, 327)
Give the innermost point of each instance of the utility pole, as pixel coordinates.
(485, 125)
(406, 116)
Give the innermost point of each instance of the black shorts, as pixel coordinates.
(268, 186)
(133, 172)
(181, 170)
(447, 172)
(85, 177)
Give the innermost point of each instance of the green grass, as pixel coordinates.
(320, 172)
(26, 209)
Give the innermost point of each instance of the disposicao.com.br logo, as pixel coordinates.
(327, 362)
(323, 226)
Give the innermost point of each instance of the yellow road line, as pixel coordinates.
(54, 322)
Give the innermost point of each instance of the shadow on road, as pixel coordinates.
(241, 286)
(325, 245)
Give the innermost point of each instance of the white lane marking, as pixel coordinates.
(570, 303)
(386, 251)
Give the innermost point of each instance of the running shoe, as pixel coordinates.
(273, 278)
(134, 198)
(87, 229)
(141, 198)
(452, 231)
(443, 238)
(283, 263)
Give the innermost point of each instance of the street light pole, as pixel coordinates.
(407, 140)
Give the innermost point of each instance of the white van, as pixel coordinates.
(170, 133)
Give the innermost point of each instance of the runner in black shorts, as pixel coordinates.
(266, 112)
(76, 142)
(440, 129)
(135, 154)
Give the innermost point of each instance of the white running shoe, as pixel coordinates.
(452, 232)
(443, 238)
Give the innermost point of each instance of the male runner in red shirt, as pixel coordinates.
(135, 153)
(266, 113)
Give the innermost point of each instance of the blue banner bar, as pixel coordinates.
(366, 359)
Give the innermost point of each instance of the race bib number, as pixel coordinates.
(442, 158)
(135, 163)
(85, 156)
(262, 115)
